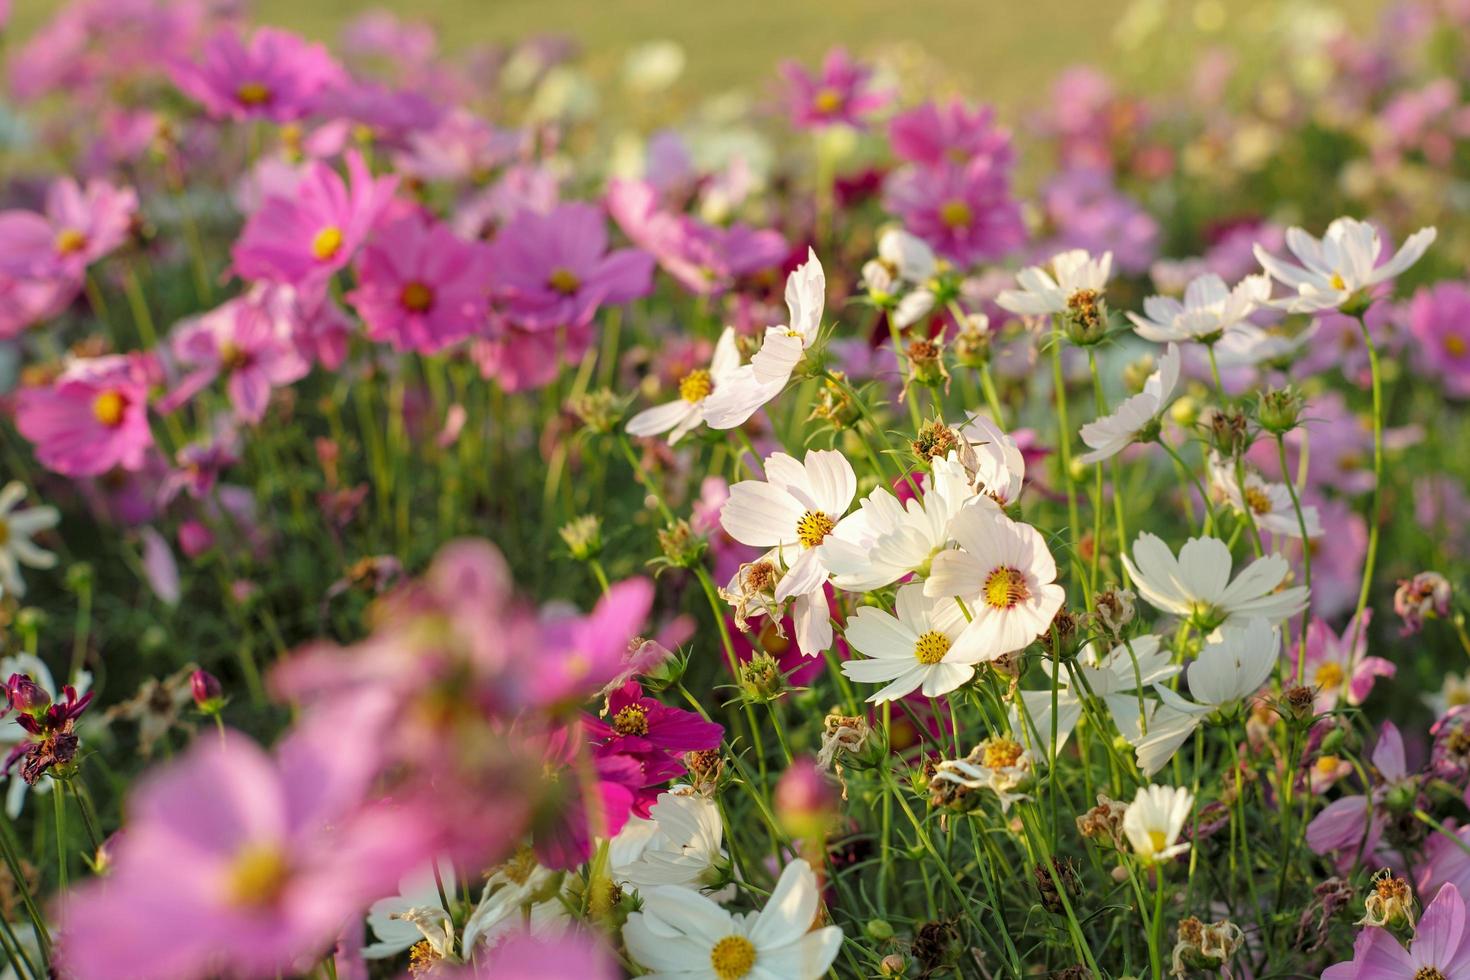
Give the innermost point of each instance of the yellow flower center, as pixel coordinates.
(813, 527)
(732, 957)
(632, 720)
(108, 409)
(518, 869)
(1328, 677)
(564, 281)
(1337, 281)
(1456, 346)
(827, 100)
(931, 648)
(1428, 973)
(4, 532)
(956, 214)
(326, 243)
(1001, 753)
(1326, 764)
(695, 386)
(423, 959)
(231, 357)
(1005, 588)
(416, 297)
(1157, 841)
(70, 241)
(253, 93)
(1257, 500)
(258, 875)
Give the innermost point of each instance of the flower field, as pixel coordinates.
(470, 511)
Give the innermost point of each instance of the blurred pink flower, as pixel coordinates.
(249, 342)
(92, 418)
(1338, 666)
(420, 287)
(275, 75)
(841, 93)
(526, 956)
(80, 225)
(953, 133)
(965, 213)
(1439, 319)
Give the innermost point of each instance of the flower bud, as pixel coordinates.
(1135, 373)
(926, 363)
(1425, 595)
(1114, 609)
(935, 440)
(1228, 431)
(209, 694)
(194, 539)
(972, 344)
(1086, 317)
(681, 547)
(1279, 410)
(834, 405)
(761, 678)
(598, 410)
(26, 696)
(893, 965)
(879, 930)
(805, 799)
(1185, 411)
(583, 536)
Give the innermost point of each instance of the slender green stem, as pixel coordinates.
(1376, 505)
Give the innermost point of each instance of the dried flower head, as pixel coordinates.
(1389, 903)
(1202, 946)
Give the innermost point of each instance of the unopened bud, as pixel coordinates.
(805, 799)
(209, 694)
(583, 536)
(26, 696)
(1279, 410)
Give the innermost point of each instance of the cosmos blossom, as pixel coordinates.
(420, 287)
(92, 418)
(273, 75)
(80, 224)
(842, 92)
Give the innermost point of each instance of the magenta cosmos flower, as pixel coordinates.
(1440, 949)
(249, 343)
(1347, 824)
(303, 238)
(420, 287)
(275, 75)
(965, 213)
(1339, 667)
(1439, 318)
(554, 269)
(80, 226)
(526, 956)
(92, 418)
(239, 862)
(955, 133)
(842, 92)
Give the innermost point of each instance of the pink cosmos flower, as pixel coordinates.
(249, 342)
(953, 133)
(841, 93)
(420, 287)
(1441, 947)
(246, 861)
(651, 733)
(275, 75)
(1349, 823)
(965, 213)
(25, 302)
(526, 956)
(1338, 666)
(301, 239)
(80, 225)
(92, 418)
(1089, 212)
(524, 360)
(600, 793)
(1439, 318)
(554, 270)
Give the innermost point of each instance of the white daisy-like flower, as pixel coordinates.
(1112, 677)
(1270, 503)
(1248, 345)
(1154, 821)
(903, 260)
(1340, 265)
(1231, 667)
(1113, 433)
(884, 540)
(992, 458)
(1210, 310)
(685, 846)
(682, 934)
(1197, 584)
(752, 592)
(1007, 578)
(515, 897)
(1043, 294)
(997, 764)
(783, 346)
(17, 527)
(912, 650)
(385, 917)
(696, 393)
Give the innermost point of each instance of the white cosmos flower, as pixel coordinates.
(509, 903)
(1231, 667)
(696, 393)
(1154, 821)
(1210, 310)
(1270, 503)
(993, 459)
(1042, 295)
(1340, 265)
(884, 540)
(1248, 345)
(385, 917)
(783, 346)
(684, 847)
(1197, 584)
(752, 591)
(913, 650)
(903, 259)
(16, 530)
(1112, 677)
(1007, 578)
(1113, 433)
(682, 934)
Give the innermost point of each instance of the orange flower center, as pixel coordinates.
(70, 241)
(631, 720)
(257, 876)
(1456, 346)
(827, 100)
(956, 214)
(416, 297)
(564, 281)
(253, 93)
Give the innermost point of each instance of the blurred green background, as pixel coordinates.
(1005, 51)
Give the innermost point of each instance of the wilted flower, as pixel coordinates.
(1425, 595)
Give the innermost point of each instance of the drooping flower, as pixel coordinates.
(275, 75)
(782, 347)
(1426, 595)
(92, 418)
(1137, 417)
(80, 225)
(389, 918)
(1006, 576)
(1339, 269)
(681, 844)
(681, 933)
(301, 239)
(841, 93)
(999, 764)
(1046, 294)
(1154, 821)
(420, 287)
(1197, 584)
(912, 650)
(1209, 311)
(993, 459)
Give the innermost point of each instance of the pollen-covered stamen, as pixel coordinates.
(1337, 281)
(956, 214)
(695, 386)
(1005, 588)
(813, 527)
(253, 93)
(1328, 677)
(416, 297)
(108, 408)
(1429, 973)
(827, 100)
(326, 243)
(70, 241)
(1257, 500)
(564, 281)
(931, 647)
(1001, 753)
(732, 957)
(1083, 307)
(631, 720)
(257, 876)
